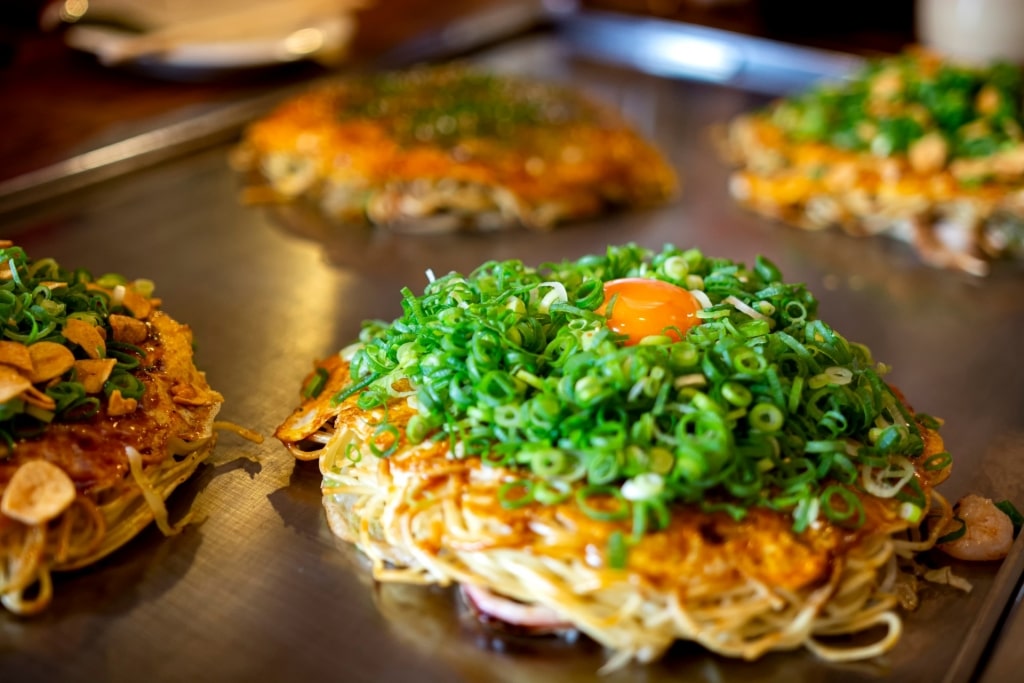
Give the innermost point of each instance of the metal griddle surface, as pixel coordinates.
(258, 590)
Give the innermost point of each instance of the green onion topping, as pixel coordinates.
(972, 111)
(37, 299)
(761, 404)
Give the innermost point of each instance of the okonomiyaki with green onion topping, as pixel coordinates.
(914, 146)
(440, 148)
(641, 446)
(103, 413)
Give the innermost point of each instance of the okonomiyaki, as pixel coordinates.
(438, 148)
(102, 415)
(914, 146)
(641, 446)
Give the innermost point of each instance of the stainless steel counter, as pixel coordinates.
(258, 590)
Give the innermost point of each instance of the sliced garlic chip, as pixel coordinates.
(12, 383)
(49, 360)
(127, 329)
(86, 335)
(38, 492)
(93, 372)
(16, 355)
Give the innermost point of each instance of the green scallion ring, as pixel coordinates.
(851, 505)
(385, 429)
(766, 417)
(603, 467)
(551, 492)
(736, 394)
(587, 495)
(548, 462)
(516, 494)
(127, 384)
(939, 461)
(353, 453)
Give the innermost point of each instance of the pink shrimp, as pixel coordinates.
(989, 532)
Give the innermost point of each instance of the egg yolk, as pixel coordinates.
(643, 307)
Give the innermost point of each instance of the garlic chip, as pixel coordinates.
(49, 360)
(12, 383)
(16, 355)
(38, 492)
(128, 329)
(136, 303)
(40, 399)
(93, 372)
(118, 405)
(85, 335)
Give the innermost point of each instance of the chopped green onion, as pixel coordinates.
(551, 492)
(549, 462)
(840, 504)
(316, 383)
(393, 439)
(910, 512)
(354, 389)
(618, 550)
(516, 494)
(127, 384)
(40, 414)
(128, 356)
(82, 409)
(766, 417)
(615, 508)
(1013, 513)
(763, 404)
(956, 534)
(939, 461)
(643, 486)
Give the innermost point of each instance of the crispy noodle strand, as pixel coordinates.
(425, 519)
(92, 527)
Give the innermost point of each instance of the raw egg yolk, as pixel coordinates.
(643, 307)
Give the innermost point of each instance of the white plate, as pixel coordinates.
(163, 53)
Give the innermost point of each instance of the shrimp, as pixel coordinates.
(535, 617)
(989, 532)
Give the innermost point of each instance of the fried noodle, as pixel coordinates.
(91, 528)
(422, 517)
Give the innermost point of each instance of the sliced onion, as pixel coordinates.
(745, 308)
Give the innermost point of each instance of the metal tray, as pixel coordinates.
(258, 589)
